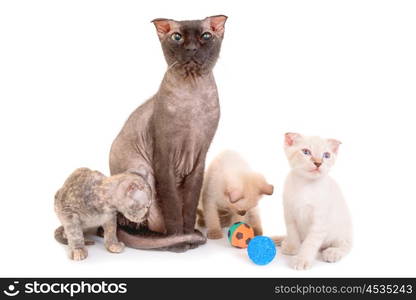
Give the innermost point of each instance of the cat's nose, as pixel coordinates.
(241, 212)
(190, 48)
(317, 164)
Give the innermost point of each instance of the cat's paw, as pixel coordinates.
(301, 263)
(332, 254)
(289, 248)
(215, 234)
(258, 231)
(116, 247)
(78, 254)
(200, 239)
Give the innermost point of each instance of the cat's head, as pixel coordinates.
(191, 47)
(134, 197)
(245, 194)
(311, 157)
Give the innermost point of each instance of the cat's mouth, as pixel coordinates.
(193, 63)
(192, 68)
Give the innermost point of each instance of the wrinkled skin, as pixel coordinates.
(169, 135)
(89, 199)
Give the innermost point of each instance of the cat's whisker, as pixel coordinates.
(172, 65)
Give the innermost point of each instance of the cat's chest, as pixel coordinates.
(189, 102)
(96, 217)
(188, 115)
(196, 107)
(95, 212)
(306, 199)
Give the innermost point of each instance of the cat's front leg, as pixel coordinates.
(255, 221)
(110, 236)
(75, 235)
(210, 211)
(191, 191)
(212, 221)
(309, 248)
(291, 243)
(167, 191)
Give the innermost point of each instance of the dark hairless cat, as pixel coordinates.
(169, 135)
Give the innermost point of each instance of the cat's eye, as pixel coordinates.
(306, 151)
(327, 155)
(206, 36)
(176, 36)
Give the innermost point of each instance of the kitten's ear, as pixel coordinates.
(334, 145)
(267, 189)
(291, 138)
(163, 26)
(132, 188)
(234, 195)
(217, 23)
(141, 171)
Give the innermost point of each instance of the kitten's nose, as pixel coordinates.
(241, 212)
(317, 164)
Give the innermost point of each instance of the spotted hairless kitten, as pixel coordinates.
(89, 199)
(170, 134)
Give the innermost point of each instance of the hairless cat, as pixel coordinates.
(169, 135)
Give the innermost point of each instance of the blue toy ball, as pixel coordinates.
(261, 250)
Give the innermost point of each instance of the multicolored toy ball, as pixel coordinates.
(240, 234)
(261, 250)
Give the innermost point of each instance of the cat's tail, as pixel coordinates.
(278, 239)
(61, 238)
(155, 242)
(60, 235)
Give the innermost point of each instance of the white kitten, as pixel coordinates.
(230, 193)
(316, 215)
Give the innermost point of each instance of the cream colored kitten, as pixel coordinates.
(316, 215)
(230, 193)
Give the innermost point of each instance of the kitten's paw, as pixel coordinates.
(116, 247)
(258, 231)
(301, 263)
(78, 254)
(215, 234)
(288, 248)
(332, 254)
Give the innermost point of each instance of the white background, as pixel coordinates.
(71, 72)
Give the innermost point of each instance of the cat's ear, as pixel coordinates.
(163, 26)
(216, 24)
(132, 188)
(267, 189)
(291, 138)
(142, 171)
(234, 195)
(334, 144)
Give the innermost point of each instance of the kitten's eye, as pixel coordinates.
(176, 36)
(206, 36)
(327, 155)
(306, 151)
